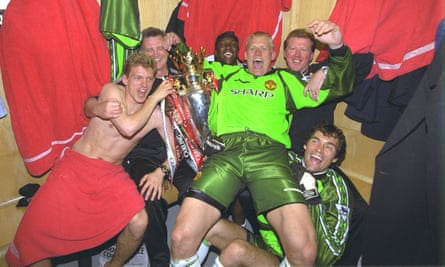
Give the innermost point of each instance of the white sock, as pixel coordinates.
(193, 261)
(203, 250)
(285, 263)
(217, 263)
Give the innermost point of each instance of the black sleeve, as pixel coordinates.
(174, 24)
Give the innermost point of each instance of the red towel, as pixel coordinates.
(83, 203)
(52, 58)
(400, 34)
(204, 20)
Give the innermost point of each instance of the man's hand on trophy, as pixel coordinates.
(163, 90)
(170, 40)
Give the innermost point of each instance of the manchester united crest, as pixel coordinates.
(270, 85)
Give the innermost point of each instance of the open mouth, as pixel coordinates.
(258, 63)
(228, 54)
(316, 159)
(141, 92)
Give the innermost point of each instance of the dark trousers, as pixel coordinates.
(155, 237)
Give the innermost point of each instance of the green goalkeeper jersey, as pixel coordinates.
(331, 219)
(264, 104)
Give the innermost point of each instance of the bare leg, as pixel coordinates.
(294, 226)
(194, 219)
(129, 240)
(42, 263)
(241, 253)
(224, 232)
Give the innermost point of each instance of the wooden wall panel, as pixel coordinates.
(13, 175)
(360, 152)
(156, 13)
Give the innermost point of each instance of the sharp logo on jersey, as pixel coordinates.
(252, 92)
(270, 85)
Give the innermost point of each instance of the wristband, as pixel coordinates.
(325, 69)
(165, 170)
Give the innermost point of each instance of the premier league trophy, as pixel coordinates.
(192, 99)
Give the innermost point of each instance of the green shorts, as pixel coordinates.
(249, 160)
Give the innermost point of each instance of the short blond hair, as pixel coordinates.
(260, 34)
(139, 59)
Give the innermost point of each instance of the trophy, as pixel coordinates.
(192, 99)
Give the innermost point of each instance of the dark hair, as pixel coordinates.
(300, 33)
(151, 32)
(227, 34)
(139, 59)
(330, 130)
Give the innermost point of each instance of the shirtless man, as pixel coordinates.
(88, 198)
